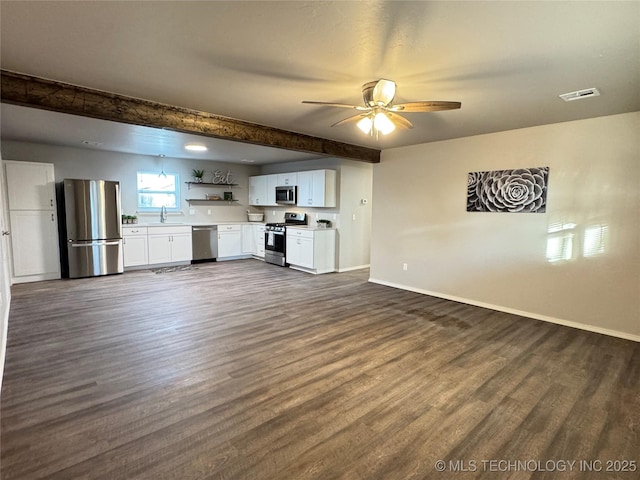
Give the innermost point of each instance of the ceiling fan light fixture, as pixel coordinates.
(365, 124)
(383, 124)
(384, 92)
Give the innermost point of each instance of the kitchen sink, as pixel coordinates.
(164, 223)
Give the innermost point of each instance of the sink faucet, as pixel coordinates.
(163, 214)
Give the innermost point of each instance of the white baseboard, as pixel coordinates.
(348, 269)
(499, 308)
(35, 278)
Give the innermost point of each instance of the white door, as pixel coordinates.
(30, 186)
(5, 292)
(34, 241)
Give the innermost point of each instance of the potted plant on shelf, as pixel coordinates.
(197, 175)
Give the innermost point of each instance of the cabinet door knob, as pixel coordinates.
(51, 202)
(5, 232)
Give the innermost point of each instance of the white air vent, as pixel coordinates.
(580, 94)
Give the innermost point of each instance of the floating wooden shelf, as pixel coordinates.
(209, 184)
(222, 200)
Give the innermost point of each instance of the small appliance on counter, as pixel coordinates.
(275, 238)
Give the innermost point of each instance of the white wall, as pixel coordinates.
(95, 164)
(351, 218)
(500, 260)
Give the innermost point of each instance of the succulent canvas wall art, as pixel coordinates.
(522, 190)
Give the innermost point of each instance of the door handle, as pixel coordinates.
(5, 232)
(94, 244)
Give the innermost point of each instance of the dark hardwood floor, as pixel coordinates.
(243, 370)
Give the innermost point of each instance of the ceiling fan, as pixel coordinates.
(379, 114)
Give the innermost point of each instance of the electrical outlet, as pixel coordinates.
(192, 211)
(354, 216)
(405, 267)
(208, 211)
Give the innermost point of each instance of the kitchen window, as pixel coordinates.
(157, 191)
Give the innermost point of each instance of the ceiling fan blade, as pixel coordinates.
(354, 119)
(383, 92)
(341, 105)
(424, 106)
(399, 121)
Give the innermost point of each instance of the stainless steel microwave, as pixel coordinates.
(286, 195)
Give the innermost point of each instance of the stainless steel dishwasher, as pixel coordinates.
(204, 243)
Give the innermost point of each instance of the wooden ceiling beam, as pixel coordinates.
(35, 92)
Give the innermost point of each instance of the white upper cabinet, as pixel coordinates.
(258, 190)
(262, 190)
(287, 179)
(272, 183)
(317, 188)
(30, 186)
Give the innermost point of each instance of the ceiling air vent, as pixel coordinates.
(580, 94)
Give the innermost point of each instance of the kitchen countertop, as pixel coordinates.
(186, 224)
(311, 227)
(202, 224)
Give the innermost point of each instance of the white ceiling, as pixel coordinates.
(507, 62)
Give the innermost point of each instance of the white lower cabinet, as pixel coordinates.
(253, 240)
(134, 246)
(248, 240)
(169, 244)
(313, 251)
(229, 241)
(258, 232)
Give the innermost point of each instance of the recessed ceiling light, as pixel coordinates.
(194, 147)
(247, 161)
(580, 94)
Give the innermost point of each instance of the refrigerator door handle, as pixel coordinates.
(93, 244)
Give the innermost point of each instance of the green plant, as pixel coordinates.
(198, 173)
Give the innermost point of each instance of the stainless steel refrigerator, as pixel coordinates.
(93, 227)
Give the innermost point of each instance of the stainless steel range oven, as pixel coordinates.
(275, 241)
